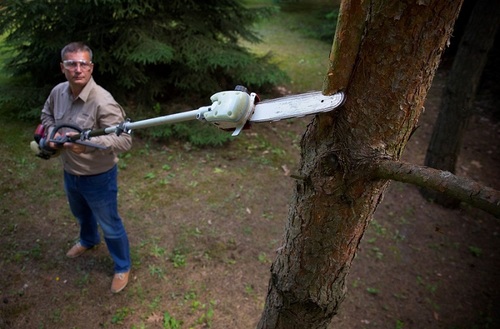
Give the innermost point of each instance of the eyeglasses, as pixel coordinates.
(72, 65)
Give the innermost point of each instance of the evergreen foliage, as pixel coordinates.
(321, 21)
(326, 29)
(144, 50)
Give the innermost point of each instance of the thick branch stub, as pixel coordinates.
(463, 189)
(346, 44)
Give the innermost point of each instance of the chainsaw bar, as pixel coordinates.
(295, 106)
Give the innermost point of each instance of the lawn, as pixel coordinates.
(287, 36)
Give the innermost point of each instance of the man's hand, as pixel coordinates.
(76, 148)
(55, 146)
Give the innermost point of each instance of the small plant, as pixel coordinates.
(155, 303)
(195, 305)
(157, 251)
(207, 316)
(122, 165)
(169, 322)
(83, 280)
(378, 228)
(56, 316)
(218, 170)
(378, 253)
(398, 236)
(431, 287)
(178, 258)
(190, 295)
(268, 216)
(193, 183)
(166, 180)
(247, 230)
(400, 296)
(36, 251)
(150, 175)
(249, 289)
(156, 271)
(372, 291)
(120, 315)
(263, 258)
(475, 251)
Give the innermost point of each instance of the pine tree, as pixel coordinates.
(151, 49)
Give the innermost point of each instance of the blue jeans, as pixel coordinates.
(93, 201)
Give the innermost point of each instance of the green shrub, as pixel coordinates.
(144, 50)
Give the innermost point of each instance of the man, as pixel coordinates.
(90, 174)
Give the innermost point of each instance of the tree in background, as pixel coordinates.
(148, 49)
(457, 101)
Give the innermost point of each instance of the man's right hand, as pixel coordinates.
(56, 146)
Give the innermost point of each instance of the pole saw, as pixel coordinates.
(230, 110)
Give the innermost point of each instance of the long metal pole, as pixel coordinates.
(167, 119)
(128, 126)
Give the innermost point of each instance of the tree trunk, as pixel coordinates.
(336, 193)
(458, 96)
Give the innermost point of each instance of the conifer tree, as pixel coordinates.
(152, 49)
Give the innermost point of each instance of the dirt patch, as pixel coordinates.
(204, 226)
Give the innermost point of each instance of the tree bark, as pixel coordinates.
(334, 200)
(458, 96)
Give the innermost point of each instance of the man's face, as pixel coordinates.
(77, 68)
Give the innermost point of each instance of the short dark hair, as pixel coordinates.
(74, 47)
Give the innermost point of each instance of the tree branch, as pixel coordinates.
(348, 37)
(461, 188)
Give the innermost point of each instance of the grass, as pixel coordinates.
(284, 33)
